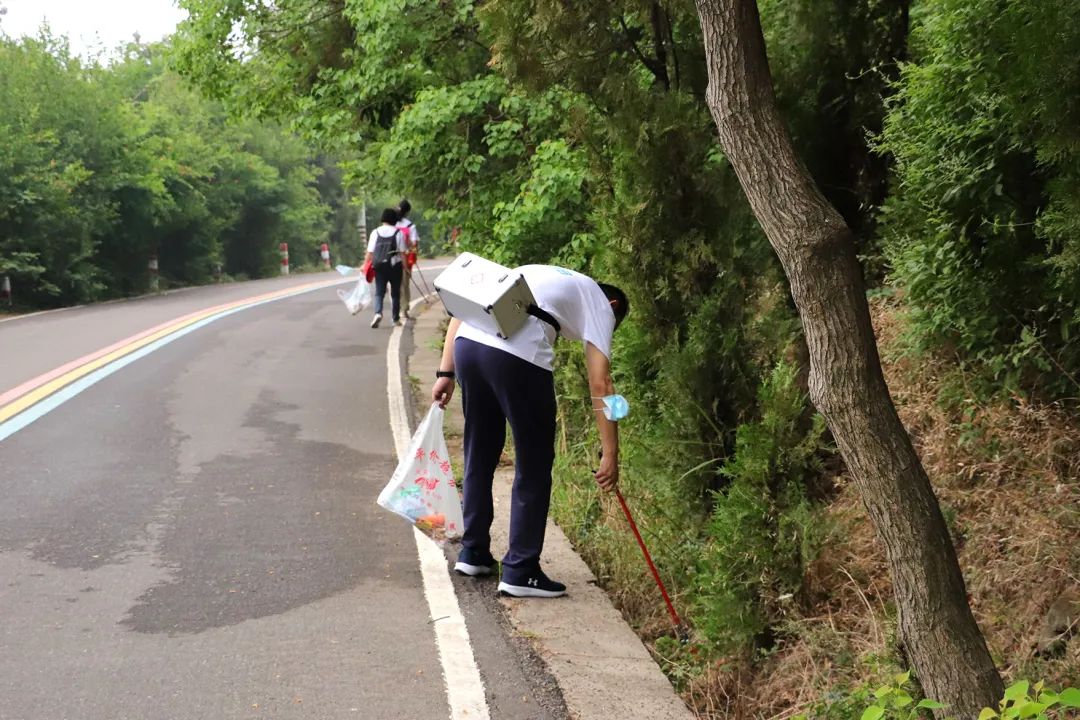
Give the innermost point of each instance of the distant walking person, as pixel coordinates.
(412, 243)
(386, 253)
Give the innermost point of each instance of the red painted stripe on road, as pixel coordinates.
(32, 384)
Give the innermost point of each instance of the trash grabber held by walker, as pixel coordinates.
(680, 629)
(426, 294)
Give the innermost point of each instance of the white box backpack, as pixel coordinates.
(488, 296)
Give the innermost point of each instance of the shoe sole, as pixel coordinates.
(473, 570)
(525, 591)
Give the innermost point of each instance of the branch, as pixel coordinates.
(674, 51)
(651, 65)
(658, 44)
(275, 34)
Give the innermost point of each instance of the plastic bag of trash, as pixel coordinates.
(422, 489)
(359, 298)
(345, 270)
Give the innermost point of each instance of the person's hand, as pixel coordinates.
(607, 477)
(442, 391)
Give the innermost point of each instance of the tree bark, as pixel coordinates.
(817, 251)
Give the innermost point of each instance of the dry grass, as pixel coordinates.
(1008, 478)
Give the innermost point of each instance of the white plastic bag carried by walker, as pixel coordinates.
(422, 489)
(359, 298)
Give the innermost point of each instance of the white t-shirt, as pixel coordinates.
(384, 231)
(575, 300)
(414, 237)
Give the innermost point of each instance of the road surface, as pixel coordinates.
(193, 534)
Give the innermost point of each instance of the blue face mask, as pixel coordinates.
(615, 407)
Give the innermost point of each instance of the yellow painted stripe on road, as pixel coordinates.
(43, 391)
(38, 394)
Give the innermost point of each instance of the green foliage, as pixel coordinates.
(60, 149)
(761, 534)
(894, 701)
(103, 167)
(832, 63)
(1022, 701)
(981, 230)
(494, 161)
(340, 71)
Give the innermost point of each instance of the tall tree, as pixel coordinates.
(817, 251)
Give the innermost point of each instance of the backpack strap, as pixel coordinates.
(540, 313)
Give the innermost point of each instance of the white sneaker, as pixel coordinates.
(376, 320)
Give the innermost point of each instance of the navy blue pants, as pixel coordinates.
(497, 387)
(388, 274)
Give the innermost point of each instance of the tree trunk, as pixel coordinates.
(816, 249)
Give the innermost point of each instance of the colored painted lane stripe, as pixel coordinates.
(56, 387)
(130, 342)
(34, 383)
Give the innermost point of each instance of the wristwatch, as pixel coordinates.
(444, 373)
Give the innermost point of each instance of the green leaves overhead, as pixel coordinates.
(338, 70)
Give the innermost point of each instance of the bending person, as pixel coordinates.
(511, 380)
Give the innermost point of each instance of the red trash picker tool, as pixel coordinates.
(681, 630)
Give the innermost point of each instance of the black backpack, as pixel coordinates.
(385, 248)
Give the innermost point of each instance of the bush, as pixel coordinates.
(761, 534)
(981, 229)
(894, 701)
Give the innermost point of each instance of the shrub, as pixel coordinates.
(761, 534)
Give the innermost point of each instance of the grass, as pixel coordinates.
(1007, 474)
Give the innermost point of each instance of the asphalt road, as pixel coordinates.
(195, 536)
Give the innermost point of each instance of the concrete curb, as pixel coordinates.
(600, 664)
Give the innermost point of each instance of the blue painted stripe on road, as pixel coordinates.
(44, 407)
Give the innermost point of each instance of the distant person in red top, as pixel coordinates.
(412, 243)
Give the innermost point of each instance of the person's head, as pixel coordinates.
(619, 304)
(389, 216)
(404, 207)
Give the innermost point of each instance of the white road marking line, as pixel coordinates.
(464, 688)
